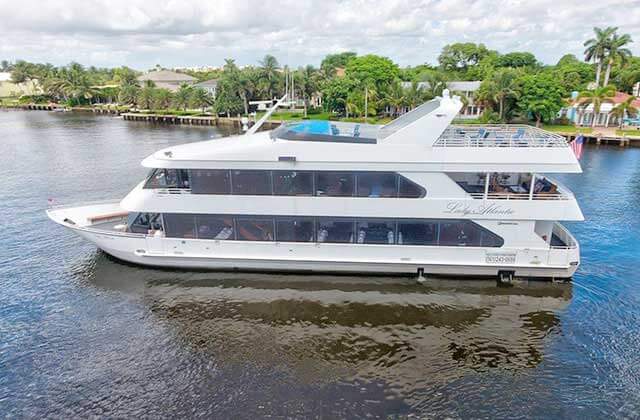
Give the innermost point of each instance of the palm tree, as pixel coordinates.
(162, 98)
(395, 98)
(499, 88)
(200, 98)
(596, 97)
(128, 94)
(182, 96)
(625, 109)
(436, 82)
(269, 74)
(616, 51)
(307, 84)
(146, 97)
(596, 48)
(416, 95)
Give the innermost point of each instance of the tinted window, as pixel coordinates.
(144, 222)
(488, 238)
(334, 184)
(168, 178)
(375, 232)
(210, 181)
(292, 183)
(335, 230)
(255, 229)
(459, 233)
(409, 189)
(417, 233)
(377, 184)
(214, 227)
(296, 229)
(180, 225)
(251, 182)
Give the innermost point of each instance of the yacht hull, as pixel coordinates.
(325, 258)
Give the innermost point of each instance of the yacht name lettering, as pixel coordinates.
(482, 209)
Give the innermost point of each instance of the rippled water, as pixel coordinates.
(84, 335)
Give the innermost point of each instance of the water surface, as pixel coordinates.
(84, 335)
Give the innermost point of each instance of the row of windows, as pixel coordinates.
(293, 183)
(332, 230)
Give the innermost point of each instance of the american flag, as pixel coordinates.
(576, 146)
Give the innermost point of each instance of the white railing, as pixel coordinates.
(165, 191)
(498, 136)
(520, 196)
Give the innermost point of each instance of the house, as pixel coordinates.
(581, 112)
(10, 89)
(468, 89)
(167, 79)
(211, 86)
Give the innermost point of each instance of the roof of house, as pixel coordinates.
(610, 103)
(207, 83)
(166, 76)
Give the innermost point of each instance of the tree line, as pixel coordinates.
(514, 85)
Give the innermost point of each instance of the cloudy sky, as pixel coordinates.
(140, 33)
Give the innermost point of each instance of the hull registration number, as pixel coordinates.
(500, 258)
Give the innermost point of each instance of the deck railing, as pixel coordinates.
(498, 136)
(520, 196)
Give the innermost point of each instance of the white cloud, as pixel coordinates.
(172, 32)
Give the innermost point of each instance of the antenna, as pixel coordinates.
(266, 116)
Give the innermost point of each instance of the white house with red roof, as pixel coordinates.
(581, 112)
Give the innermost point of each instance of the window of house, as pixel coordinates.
(255, 229)
(292, 183)
(417, 232)
(210, 181)
(375, 232)
(335, 230)
(335, 184)
(295, 229)
(211, 226)
(377, 184)
(178, 225)
(251, 182)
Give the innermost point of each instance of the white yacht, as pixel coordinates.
(417, 195)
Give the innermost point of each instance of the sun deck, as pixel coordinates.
(498, 136)
(327, 131)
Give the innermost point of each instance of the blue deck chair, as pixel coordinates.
(356, 131)
(519, 137)
(334, 130)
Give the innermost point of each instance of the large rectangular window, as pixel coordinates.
(255, 228)
(211, 226)
(377, 184)
(210, 181)
(178, 225)
(335, 230)
(292, 183)
(335, 184)
(376, 232)
(459, 233)
(295, 229)
(251, 182)
(417, 232)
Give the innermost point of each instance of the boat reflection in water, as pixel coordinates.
(320, 329)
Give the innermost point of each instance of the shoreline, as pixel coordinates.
(211, 120)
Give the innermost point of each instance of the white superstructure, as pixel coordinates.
(416, 195)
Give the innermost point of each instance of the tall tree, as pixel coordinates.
(269, 74)
(182, 96)
(616, 51)
(461, 55)
(596, 48)
(501, 87)
(597, 97)
(541, 96)
(307, 84)
(625, 109)
(200, 98)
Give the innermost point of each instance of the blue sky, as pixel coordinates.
(141, 34)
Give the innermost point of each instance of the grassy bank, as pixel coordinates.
(8, 102)
(568, 129)
(630, 133)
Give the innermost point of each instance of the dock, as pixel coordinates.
(190, 120)
(606, 138)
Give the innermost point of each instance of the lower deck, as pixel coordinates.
(111, 232)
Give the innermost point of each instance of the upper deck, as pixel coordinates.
(498, 136)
